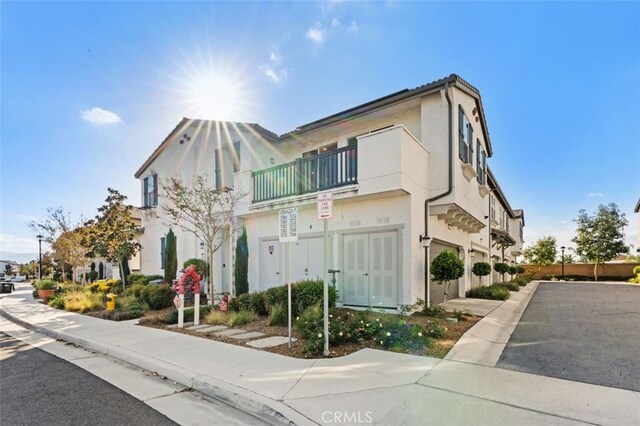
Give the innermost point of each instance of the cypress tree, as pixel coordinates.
(170, 257)
(241, 271)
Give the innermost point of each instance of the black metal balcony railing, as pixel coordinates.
(304, 175)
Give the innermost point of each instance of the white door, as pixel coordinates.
(270, 260)
(356, 270)
(315, 258)
(383, 266)
(371, 270)
(299, 260)
(307, 259)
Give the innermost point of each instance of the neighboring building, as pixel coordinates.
(408, 171)
(15, 267)
(637, 211)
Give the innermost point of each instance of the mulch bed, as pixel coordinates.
(441, 347)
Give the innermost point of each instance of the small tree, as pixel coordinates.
(112, 234)
(202, 209)
(600, 237)
(481, 269)
(446, 267)
(542, 252)
(170, 257)
(68, 248)
(241, 270)
(501, 268)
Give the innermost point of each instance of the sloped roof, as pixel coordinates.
(637, 209)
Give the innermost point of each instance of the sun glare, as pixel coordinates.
(215, 97)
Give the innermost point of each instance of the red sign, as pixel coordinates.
(176, 301)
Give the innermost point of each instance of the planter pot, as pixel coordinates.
(46, 293)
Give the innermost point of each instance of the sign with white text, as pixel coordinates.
(289, 225)
(325, 206)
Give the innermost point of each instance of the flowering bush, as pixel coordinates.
(105, 286)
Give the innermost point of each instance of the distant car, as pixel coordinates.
(17, 279)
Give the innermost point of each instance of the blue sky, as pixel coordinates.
(90, 89)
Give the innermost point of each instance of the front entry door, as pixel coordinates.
(270, 258)
(371, 270)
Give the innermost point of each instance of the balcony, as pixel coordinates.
(306, 175)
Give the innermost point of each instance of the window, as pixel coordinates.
(150, 191)
(162, 247)
(227, 162)
(481, 164)
(492, 207)
(465, 132)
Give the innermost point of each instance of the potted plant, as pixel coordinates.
(45, 288)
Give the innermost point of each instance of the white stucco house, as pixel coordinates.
(409, 178)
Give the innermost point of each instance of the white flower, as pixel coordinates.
(381, 342)
(340, 334)
(330, 316)
(319, 334)
(388, 334)
(446, 329)
(419, 334)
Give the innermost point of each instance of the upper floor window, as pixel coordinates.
(227, 162)
(465, 137)
(150, 191)
(492, 207)
(481, 164)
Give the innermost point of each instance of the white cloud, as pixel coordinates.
(595, 194)
(274, 75)
(14, 243)
(99, 116)
(335, 22)
(353, 28)
(274, 57)
(316, 33)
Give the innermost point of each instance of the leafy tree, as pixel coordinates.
(568, 259)
(170, 257)
(56, 223)
(201, 266)
(198, 207)
(7, 270)
(501, 268)
(600, 237)
(68, 248)
(112, 234)
(542, 252)
(481, 269)
(446, 267)
(241, 270)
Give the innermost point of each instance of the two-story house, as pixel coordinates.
(409, 178)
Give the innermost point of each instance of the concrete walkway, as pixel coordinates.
(385, 387)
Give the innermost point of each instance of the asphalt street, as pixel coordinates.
(38, 388)
(585, 332)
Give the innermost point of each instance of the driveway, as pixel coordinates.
(584, 332)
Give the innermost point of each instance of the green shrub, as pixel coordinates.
(257, 303)
(106, 286)
(277, 295)
(241, 269)
(172, 317)
(65, 288)
(492, 292)
(460, 315)
(157, 296)
(445, 268)
(241, 318)
(501, 268)
(126, 315)
(511, 286)
(240, 303)
(481, 269)
(520, 269)
(56, 302)
(307, 293)
(521, 280)
(46, 285)
(435, 311)
(131, 303)
(133, 278)
(279, 315)
(636, 270)
(135, 290)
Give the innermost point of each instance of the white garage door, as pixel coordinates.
(371, 269)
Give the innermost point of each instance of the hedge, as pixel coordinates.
(172, 317)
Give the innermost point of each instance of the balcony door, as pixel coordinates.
(371, 269)
(316, 168)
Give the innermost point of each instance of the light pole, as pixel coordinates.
(562, 258)
(39, 237)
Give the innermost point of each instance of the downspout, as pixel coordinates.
(437, 197)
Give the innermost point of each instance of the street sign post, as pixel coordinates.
(288, 233)
(324, 212)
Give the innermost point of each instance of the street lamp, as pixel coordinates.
(562, 258)
(39, 237)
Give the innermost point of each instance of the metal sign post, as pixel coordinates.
(288, 233)
(324, 213)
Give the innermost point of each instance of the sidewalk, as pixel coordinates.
(382, 387)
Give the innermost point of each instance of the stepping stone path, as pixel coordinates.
(269, 342)
(198, 327)
(230, 332)
(211, 328)
(249, 335)
(186, 325)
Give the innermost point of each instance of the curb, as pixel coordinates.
(262, 407)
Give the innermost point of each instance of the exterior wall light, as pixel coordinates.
(472, 252)
(426, 241)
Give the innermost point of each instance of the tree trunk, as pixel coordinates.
(211, 288)
(595, 271)
(446, 292)
(74, 272)
(122, 277)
